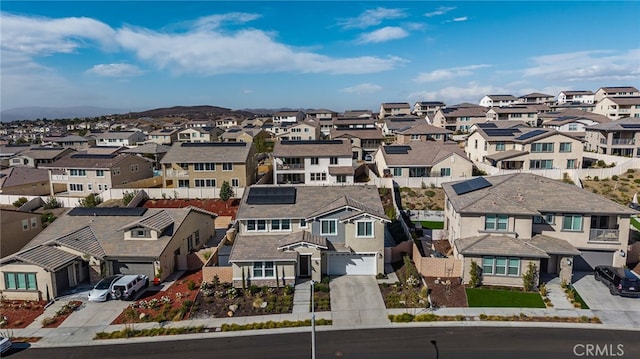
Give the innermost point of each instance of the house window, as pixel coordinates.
(263, 270)
(496, 222)
(20, 281)
(548, 218)
(415, 137)
(140, 233)
(501, 266)
(445, 172)
(328, 227)
(205, 182)
(34, 222)
(571, 164)
(204, 166)
(303, 223)
(418, 172)
(183, 183)
(75, 187)
(196, 236)
(134, 168)
(397, 172)
(500, 146)
(25, 224)
(254, 225)
(318, 176)
(314, 160)
(364, 229)
(542, 147)
(99, 173)
(235, 182)
(77, 173)
(540, 164)
(227, 166)
(115, 171)
(341, 179)
(565, 147)
(190, 243)
(572, 222)
(333, 160)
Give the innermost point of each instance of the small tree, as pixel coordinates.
(92, 200)
(52, 203)
(20, 201)
(226, 191)
(127, 197)
(474, 273)
(529, 278)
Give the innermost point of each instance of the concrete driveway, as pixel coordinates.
(356, 302)
(611, 309)
(93, 313)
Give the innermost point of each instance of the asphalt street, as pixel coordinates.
(406, 343)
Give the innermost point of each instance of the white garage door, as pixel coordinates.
(351, 264)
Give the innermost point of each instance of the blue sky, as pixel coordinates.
(334, 54)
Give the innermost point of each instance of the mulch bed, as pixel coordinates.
(216, 301)
(443, 295)
(20, 313)
(63, 314)
(443, 247)
(217, 206)
(173, 304)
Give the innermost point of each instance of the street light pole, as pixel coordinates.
(313, 323)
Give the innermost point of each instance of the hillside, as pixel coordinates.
(189, 112)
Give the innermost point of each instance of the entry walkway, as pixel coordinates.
(556, 294)
(356, 302)
(302, 298)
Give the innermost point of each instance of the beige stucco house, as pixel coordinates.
(17, 228)
(25, 181)
(296, 232)
(423, 159)
(620, 138)
(313, 162)
(388, 109)
(617, 108)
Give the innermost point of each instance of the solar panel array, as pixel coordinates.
(271, 195)
(471, 185)
(530, 134)
(47, 149)
(397, 150)
(500, 132)
(95, 156)
(487, 125)
(630, 125)
(107, 211)
(314, 142)
(213, 144)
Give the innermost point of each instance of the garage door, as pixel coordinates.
(135, 268)
(351, 264)
(589, 259)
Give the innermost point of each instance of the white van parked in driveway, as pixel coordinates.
(128, 286)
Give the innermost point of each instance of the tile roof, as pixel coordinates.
(15, 176)
(80, 160)
(116, 134)
(619, 89)
(577, 92)
(330, 148)
(341, 170)
(148, 148)
(616, 125)
(82, 240)
(46, 153)
(553, 245)
(343, 202)
(529, 194)
(503, 155)
(387, 105)
(302, 237)
(502, 97)
(311, 199)
(625, 100)
(260, 248)
(476, 111)
(47, 257)
(361, 133)
(157, 222)
(424, 129)
(497, 245)
(235, 152)
(420, 153)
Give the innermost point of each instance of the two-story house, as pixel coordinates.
(25, 181)
(346, 123)
(619, 138)
(423, 132)
(571, 121)
(228, 122)
(244, 134)
(524, 148)
(290, 232)
(536, 98)
(17, 228)
(86, 244)
(320, 114)
(163, 136)
(579, 96)
(83, 173)
(288, 116)
(306, 130)
(388, 109)
(615, 91)
(75, 142)
(364, 141)
(460, 118)
(392, 125)
(38, 156)
(528, 114)
(423, 159)
(199, 134)
(427, 108)
(209, 165)
(497, 100)
(313, 162)
(503, 223)
(618, 107)
(120, 138)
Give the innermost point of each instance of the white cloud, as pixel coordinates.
(440, 11)
(447, 74)
(115, 70)
(364, 88)
(455, 94)
(459, 19)
(383, 35)
(372, 17)
(596, 65)
(215, 21)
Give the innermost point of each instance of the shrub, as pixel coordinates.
(52, 203)
(20, 201)
(529, 278)
(127, 197)
(596, 178)
(430, 193)
(614, 177)
(206, 255)
(475, 275)
(48, 321)
(402, 318)
(226, 191)
(631, 170)
(92, 200)
(288, 289)
(191, 285)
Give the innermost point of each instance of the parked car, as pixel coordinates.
(619, 280)
(5, 344)
(101, 292)
(128, 286)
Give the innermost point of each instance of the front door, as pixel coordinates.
(304, 266)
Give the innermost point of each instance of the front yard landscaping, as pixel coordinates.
(322, 298)
(408, 291)
(62, 314)
(506, 298)
(430, 317)
(15, 314)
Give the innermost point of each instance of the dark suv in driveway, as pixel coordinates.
(619, 280)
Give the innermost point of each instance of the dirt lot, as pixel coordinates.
(617, 188)
(217, 206)
(449, 292)
(422, 198)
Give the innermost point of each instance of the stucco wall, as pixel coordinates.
(286, 272)
(498, 280)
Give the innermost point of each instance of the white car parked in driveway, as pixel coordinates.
(102, 290)
(5, 344)
(128, 286)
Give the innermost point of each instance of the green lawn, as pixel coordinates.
(635, 223)
(481, 297)
(431, 224)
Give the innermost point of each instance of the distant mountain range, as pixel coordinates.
(190, 112)
(33, 113)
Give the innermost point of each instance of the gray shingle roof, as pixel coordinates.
(616, 125)
(302, 237)
(422, 153)
(503, 155)
(235, 152)
(82, 240)
(498, 245)
(47, 257)
(335, 148)
(157, 222)
(553, 245)
(265, 248)
(345, 201)
(529, 194)
(15, 176)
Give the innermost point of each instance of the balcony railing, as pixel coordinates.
(290, 167)
(623, 141)
(604, 235)
(176, 173)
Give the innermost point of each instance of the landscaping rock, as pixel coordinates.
(142, 316)
(229, 314)
(233, 308)
(263, 305)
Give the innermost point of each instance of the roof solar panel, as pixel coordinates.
(499, 132)
(213, 144)
(95, 156)
(530, 134)
(312, 142)
(397, 150)
(271, 195)
(471, 185)
(630, 125)
(487, 125)
(107, 211)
